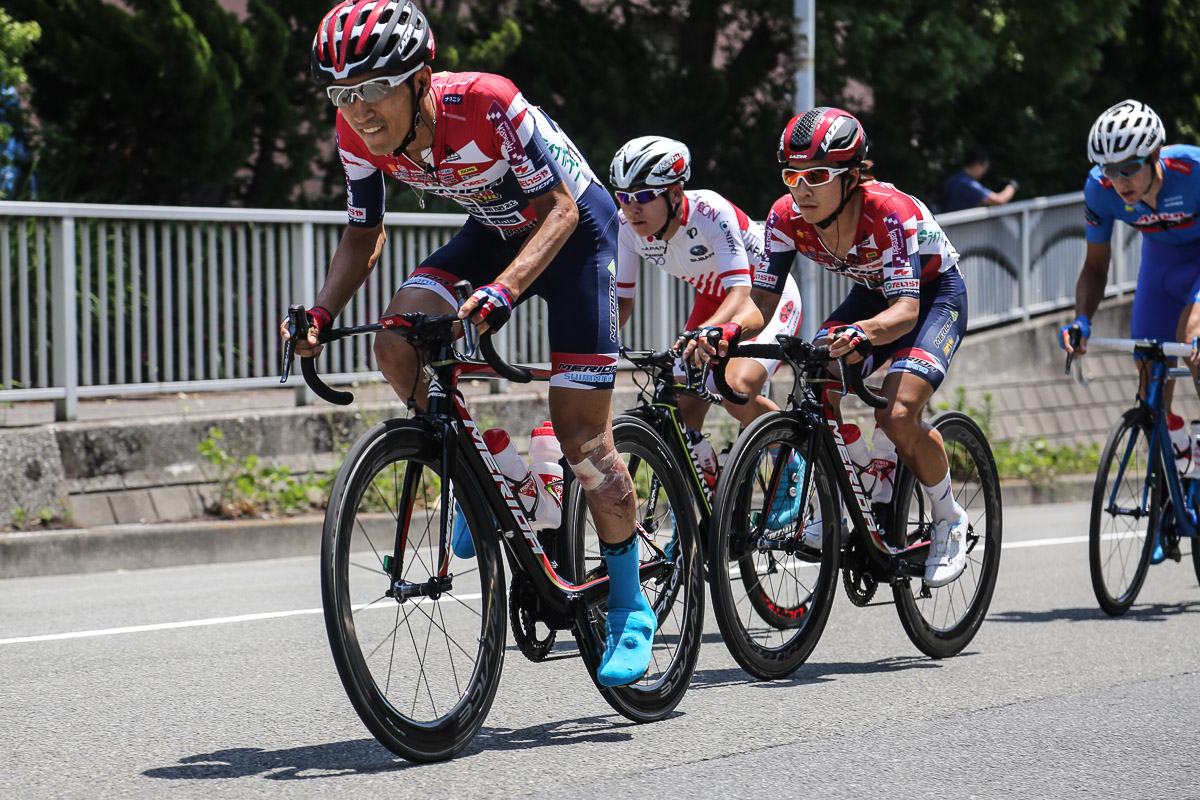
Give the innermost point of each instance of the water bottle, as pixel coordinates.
(1181, 443)
(546, 455)
(883, 466)
(705, 456)
(856, 445)
(500, 445)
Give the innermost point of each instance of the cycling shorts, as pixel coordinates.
(924, 351)
(579, 287)
(785, 320)
(1168, 282)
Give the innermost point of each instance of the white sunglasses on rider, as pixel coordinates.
(369, 91)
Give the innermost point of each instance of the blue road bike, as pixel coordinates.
(1141, 507)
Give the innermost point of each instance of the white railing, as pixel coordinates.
(103, 300)
(1017, 260)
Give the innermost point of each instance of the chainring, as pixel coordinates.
(860, 586)
(524, 615)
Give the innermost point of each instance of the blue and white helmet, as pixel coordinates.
(650, 161)
(1127, 130)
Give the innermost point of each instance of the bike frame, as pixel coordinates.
(463, 447)
(829, 438)
(1182, 498)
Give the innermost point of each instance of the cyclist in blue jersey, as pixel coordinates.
(539, 222)
(1156, 190)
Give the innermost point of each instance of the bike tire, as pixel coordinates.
(1118, 550)
(771, 604)
(429, 704)
(942, 621)
(678, 597)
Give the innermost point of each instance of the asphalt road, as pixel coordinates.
(1052, 699)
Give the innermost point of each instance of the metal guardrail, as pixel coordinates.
(1017, 260)
(100, 300)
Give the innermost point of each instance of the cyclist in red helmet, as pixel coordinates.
(539, 222)
(908, 303)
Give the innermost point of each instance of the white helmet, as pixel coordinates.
(650, 161)
(1127, 130)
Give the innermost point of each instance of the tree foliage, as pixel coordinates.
(179, 101)
(1022, 78)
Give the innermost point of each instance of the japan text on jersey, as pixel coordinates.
(716, 247)
(898, 244)
(492, 151)
(1172, 220)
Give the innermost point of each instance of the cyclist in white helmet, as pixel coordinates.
(703, 239)
(1155, 189)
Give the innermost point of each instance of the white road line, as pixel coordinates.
(194, 623)
(199, 623)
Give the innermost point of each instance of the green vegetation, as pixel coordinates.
(244, 487)
(184, 102)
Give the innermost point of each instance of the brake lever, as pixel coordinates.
(297, 320)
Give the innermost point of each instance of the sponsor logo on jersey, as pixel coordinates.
(451, 155)
(468, 170)
(763, 278)
(691, 232)
(356, 213)
(698, 250)
(949, 347)
(786, 311)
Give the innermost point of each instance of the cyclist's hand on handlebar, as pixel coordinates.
(489, 307)
(307, 346)
(1073, 338)
(847, 340)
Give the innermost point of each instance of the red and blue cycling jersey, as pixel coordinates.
(492, 151)
(899, 247)
(1172, 221)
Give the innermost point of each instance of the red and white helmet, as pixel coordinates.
(823, 134)
(360, 36)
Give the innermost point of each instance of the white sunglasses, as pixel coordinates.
(369, 91)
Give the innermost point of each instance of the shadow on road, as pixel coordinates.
(813, 672)
(1153, 612)
(366, 756)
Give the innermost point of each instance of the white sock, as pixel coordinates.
(941, 498)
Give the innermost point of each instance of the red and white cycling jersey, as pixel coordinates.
(898, 245)
(715, 248)
(492, 151)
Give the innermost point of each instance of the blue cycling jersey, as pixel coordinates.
(1172, 221)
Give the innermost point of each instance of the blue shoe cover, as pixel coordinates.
(785, 507)
(1158, 556)
(460, 540)
(629, 635)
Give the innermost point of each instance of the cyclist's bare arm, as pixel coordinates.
(750, 313)
(624, 309)
(557, 216)
(736, 298)
(887, 326)
(1089, 289)
(352, 262)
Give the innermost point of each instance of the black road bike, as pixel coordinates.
(772, 592)
(417, 633)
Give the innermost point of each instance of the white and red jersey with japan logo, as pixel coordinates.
(492, 151)
(898, 245)
(715, 248)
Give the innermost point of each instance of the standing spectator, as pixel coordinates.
(964, 190)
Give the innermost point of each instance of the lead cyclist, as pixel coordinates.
(539, 223)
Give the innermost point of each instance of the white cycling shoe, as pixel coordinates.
(947, 552)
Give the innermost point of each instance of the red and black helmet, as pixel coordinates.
(360, 36)
(823, 134)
